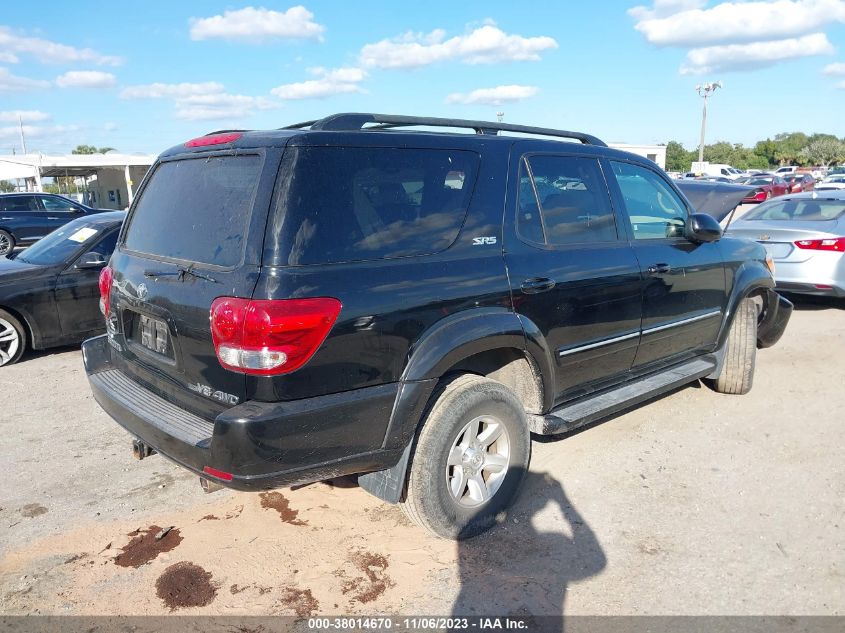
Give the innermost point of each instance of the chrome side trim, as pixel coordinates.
(610, 341)
(700, 317)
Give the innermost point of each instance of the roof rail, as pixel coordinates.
(357, 121)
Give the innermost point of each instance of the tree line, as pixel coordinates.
(788, 148)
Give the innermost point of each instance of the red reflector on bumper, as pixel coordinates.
(208, 470)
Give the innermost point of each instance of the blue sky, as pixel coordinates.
(142, 76)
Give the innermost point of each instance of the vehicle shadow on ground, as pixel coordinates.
(810, 303)
(32, 354)
(516, 569)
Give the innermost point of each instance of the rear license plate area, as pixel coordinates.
(777, 250)
(151, 334)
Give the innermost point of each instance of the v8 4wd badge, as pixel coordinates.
(208, 392)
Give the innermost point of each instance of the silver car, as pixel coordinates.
(805, 235)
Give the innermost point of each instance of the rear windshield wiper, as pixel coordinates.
(180, 273)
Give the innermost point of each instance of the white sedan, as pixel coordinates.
(836, 181)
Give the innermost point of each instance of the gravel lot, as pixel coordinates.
(696, 503)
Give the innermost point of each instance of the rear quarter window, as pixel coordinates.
(196, 210)
(339, 204)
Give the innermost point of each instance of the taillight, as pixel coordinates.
(106, 277)
(214, 139)
(267, 337)
(830, 244)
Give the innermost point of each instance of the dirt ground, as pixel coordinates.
(696, 503)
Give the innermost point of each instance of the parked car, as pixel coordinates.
(800, 182)
(786, 170)
(715, 178)
(836, 181)
(49, 293)
(27, 217)
(805, 235)
(765, 187)
(350, 296)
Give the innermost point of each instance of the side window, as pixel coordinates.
(18, 203)
(106, 245)
(654, 209)
(564, 200)
(57, 204)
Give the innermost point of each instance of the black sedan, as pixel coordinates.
(27, 217)
(49, 293)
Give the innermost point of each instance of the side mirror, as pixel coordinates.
(703, 228)
(91, 260)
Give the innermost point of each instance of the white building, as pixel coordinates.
(106, 181)
(655, 153)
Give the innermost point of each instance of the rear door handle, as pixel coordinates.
(659, 269)
(537, 285)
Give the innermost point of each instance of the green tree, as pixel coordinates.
(6, 186)
(90, 149)
(824, 151)
(789, 148)
(677, 158)
(766, 150)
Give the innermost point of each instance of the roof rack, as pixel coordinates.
(357, 121)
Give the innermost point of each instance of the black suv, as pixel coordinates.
(27, 217)
(361, 294)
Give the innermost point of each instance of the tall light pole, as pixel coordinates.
(704, 91)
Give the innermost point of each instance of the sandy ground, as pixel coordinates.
(696, 503)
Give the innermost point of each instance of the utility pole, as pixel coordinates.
(704, 91)
(20, 127)
(500, 116)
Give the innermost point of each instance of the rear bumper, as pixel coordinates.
(774, 322)
(819, 290)
(263, 445)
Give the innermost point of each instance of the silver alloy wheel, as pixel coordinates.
(5, 245)
(9, 342)
(478, 461)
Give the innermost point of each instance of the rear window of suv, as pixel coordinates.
(196, 210)
(339, 204)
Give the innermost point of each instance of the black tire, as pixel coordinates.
(11, 349)
(7, 243)
(462, 401)
(741, 353)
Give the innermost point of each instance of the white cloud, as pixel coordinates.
(662, 8)
(220, 106)
(200, 101)
(756, 55)
(173, 91)
(50, 133)
(494, 96)
(487, 44)
(837, 68)
(13, 83)
(734, 22)
(27, 116)
(252, 23)
(8, 58)
(329, 82)
(49, 52)
(841, 84)
(85, 79)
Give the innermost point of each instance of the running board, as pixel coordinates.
(595, 407)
